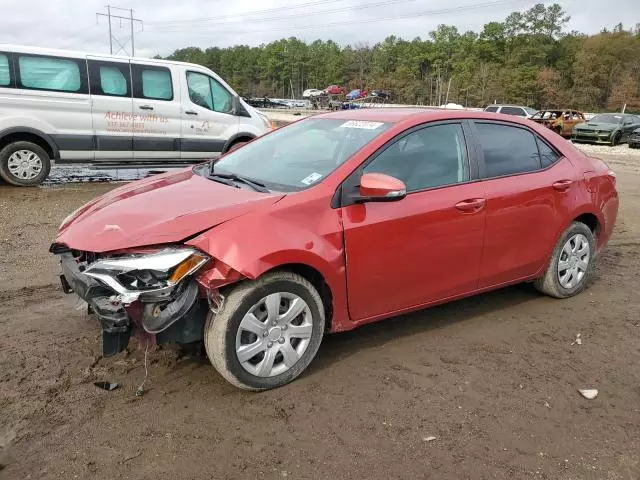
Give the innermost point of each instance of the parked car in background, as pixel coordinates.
(561, 121)
(334, 90)
(333, 222)
(634, 139)
(312, 92)
(66, 106)
(609, 128)
(516, 110)
(384, 94)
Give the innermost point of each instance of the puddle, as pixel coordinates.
(62, 174)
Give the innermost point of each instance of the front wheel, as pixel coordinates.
(615, 139)
(24, 164)
(571, 264)
(267, 332)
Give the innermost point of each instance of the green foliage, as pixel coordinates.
(527, 59)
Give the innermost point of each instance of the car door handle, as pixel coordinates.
(145, 107)
(562, 185)
(190, 112)
(471, 205)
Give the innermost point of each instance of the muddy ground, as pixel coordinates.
(493, 378)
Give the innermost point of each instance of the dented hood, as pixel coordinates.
(161, 209)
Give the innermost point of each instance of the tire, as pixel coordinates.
(33, 155)
(615, 140)
(550, 283)
(223, 332)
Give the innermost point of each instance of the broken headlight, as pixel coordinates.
(147, 272)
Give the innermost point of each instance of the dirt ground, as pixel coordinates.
(493, 378)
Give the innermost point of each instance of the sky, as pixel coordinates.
(168, 25)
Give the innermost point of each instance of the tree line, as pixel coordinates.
(528, 59)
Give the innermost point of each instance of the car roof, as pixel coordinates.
(417, 115)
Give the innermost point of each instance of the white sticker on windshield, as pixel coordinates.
(314, 177)
(361, 124)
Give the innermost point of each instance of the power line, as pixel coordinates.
(245, 14)
(303, 14)
(369, 20)
(113, 38)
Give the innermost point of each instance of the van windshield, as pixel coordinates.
(301, 155)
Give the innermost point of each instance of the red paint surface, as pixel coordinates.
(428, 248)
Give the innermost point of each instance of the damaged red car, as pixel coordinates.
(332, 222)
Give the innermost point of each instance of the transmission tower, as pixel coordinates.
(113, 38)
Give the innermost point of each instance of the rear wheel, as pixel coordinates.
(267, 332)
(571, 264)
(24, 164)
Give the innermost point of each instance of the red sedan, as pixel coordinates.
(333, 222)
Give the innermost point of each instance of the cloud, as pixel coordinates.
(169, 25)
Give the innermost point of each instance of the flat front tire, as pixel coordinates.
(267, 332)
(24, 164)
(571, 265)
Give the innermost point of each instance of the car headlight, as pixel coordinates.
(135, 274)
(266, 121)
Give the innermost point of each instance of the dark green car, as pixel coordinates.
(609, 128)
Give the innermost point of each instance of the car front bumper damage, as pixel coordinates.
(177, 318)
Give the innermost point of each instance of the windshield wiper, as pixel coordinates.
(257, 186)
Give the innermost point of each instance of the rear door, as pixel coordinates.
(425, 247)
(156, 111)
(528, 188)
(111, 109)
(207, 116)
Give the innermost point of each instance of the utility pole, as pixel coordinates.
(112, 38)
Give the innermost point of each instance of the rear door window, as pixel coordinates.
(513, 111)
(5, 77)
(109, 78)
(507, 150)
(152, 82)
(493, 109)
(52, 73)
(548, 156)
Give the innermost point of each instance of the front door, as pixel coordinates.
(207, 117)
(528, 188)
(426, 247)
(156, 111)
(111, 109)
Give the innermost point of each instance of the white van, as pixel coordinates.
(74, 107)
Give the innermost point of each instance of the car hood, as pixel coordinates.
(597, 126)
(162, 209)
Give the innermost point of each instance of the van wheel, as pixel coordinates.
(24, 164)
(236, 146)
(267, 332)
(571, 264)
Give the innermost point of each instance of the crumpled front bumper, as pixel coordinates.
(179, 318)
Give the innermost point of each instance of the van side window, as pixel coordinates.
(207, 93)
(52, 73)
(5, 78)
(152, 82)
(109, 78)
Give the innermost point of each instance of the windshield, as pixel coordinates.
(301, 155)
(607, 118)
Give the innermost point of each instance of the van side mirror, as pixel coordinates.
(238, 109)
(379, 187)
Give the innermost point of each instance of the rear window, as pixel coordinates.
(5, 79)
(513, 111)
(50, 73)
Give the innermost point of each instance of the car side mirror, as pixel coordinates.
(378, 187)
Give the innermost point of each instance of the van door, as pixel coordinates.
(111, 109)
(208, 121)
(52, 96)
(156, 111)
